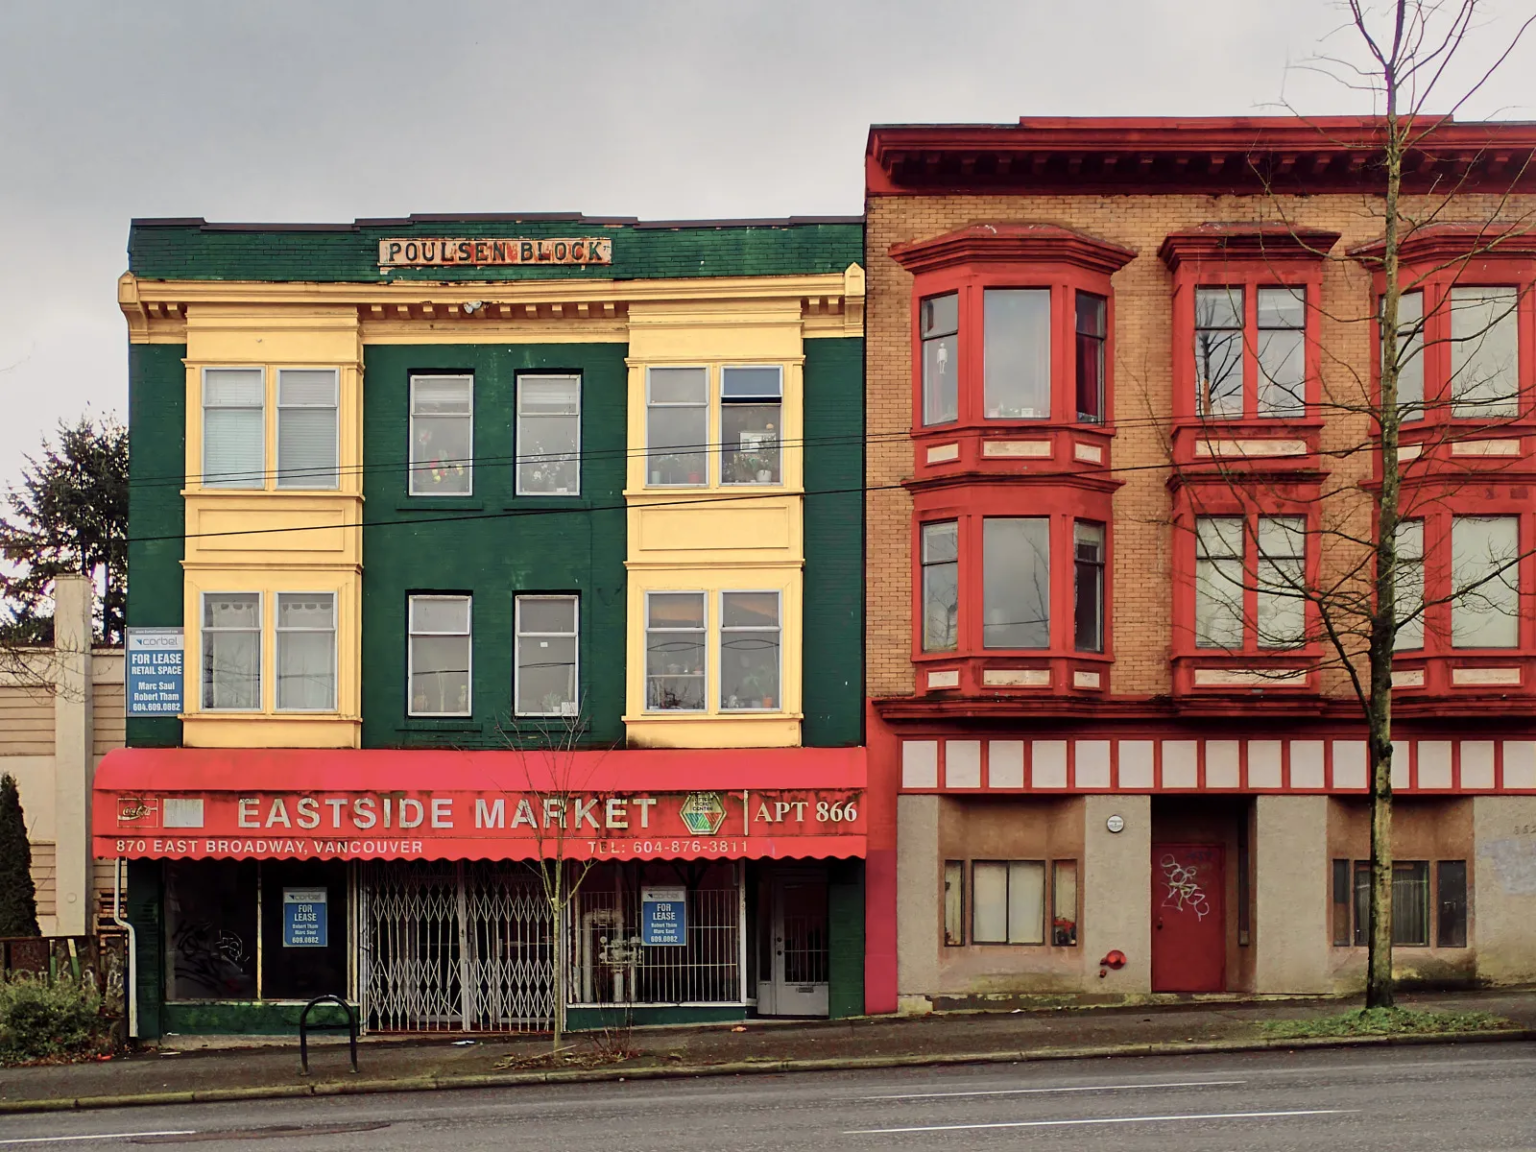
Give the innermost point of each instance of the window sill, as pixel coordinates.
(439, 504)
(1252, 676)
(443, 724)
(1013, 674)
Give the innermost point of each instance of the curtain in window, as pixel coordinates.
(306, 428)
(232, 650)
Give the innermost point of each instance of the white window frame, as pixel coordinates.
(277, 656)
(308, 480)
(575, 378)
(411, 469)
(261, 650)
(410, 652)
(259, 480)
(645, 668)
(704, 449)
(720, 632)
(518, 635)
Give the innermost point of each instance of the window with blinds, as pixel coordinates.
(234, 427)
(306, 428)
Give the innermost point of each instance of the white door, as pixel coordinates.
(792, 980)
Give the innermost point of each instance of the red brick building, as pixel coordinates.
(1110, 364)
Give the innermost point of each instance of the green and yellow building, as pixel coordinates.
(494, 540)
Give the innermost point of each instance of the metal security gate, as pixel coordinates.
(454, 946)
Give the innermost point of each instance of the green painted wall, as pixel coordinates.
(493, 545)
(193, 250)
(586, 1019)
(251, 1018)
(145, 901)
(845, 937)
(157, 401)
(833, 686)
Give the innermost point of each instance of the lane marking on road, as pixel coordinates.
(1083, 1088)
(1102, 1120)
(99, 1136)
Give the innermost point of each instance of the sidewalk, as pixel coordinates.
(170, 1075)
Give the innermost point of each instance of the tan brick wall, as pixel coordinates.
(1142, 384)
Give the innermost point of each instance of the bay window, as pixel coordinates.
(231, 658)
(940, 562)
(751, 423)
(1016, 325)
(1485, 553)
(1011, 587)
(938, 330)
(1016, 582)
(1092, 334)
(1264, 559)
(1485, 351)
(749, 651)
(1219, 351)
(307, 443)
(1273, 325)
(306, 651)
(1410, 356)
(1088, 586)
(674, 651)
(1408, 584)
(234, 427)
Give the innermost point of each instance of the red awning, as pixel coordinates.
(443, 804)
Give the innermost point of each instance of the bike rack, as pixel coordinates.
(304, 1026)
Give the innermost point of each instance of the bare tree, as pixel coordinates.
(1331, 573)
(556, 790)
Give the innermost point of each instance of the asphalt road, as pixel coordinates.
(1449, 1099)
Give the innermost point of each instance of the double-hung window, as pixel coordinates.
(1410, 356)
(941, 586)
(231, 657)
(548, 435)
(1485, 581)
(751, 423)
(442, 435)
(749, 651)
(546, 656)
(1092, 335)
(674, 651)
(306, 651)
(1017, 326)
(234, 427)
(1408, 584)
(1219, 582)
(1280, 618)
(1016, 578)
(1219, 352)
(939, 332)
(677, 427)
(306, 428)
(1088, 586)
(1484, 352)
(439, 657)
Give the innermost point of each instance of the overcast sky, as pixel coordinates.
(319, 110)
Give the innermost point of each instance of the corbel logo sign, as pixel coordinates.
(437, 251)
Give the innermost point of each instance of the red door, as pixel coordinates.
(1189, 939)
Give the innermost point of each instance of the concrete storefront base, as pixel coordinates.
(1290, 909)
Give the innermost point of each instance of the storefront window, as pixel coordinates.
(210, 929)
(612, 964)
(303, 929)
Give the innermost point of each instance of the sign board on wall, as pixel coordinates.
(304, 922)
(153, 677)
(664, 917)
(436, 251)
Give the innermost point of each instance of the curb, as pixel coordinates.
(748, 1068)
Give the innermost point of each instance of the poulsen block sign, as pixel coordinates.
(450, 825)
(154, 674)
(436, 252)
